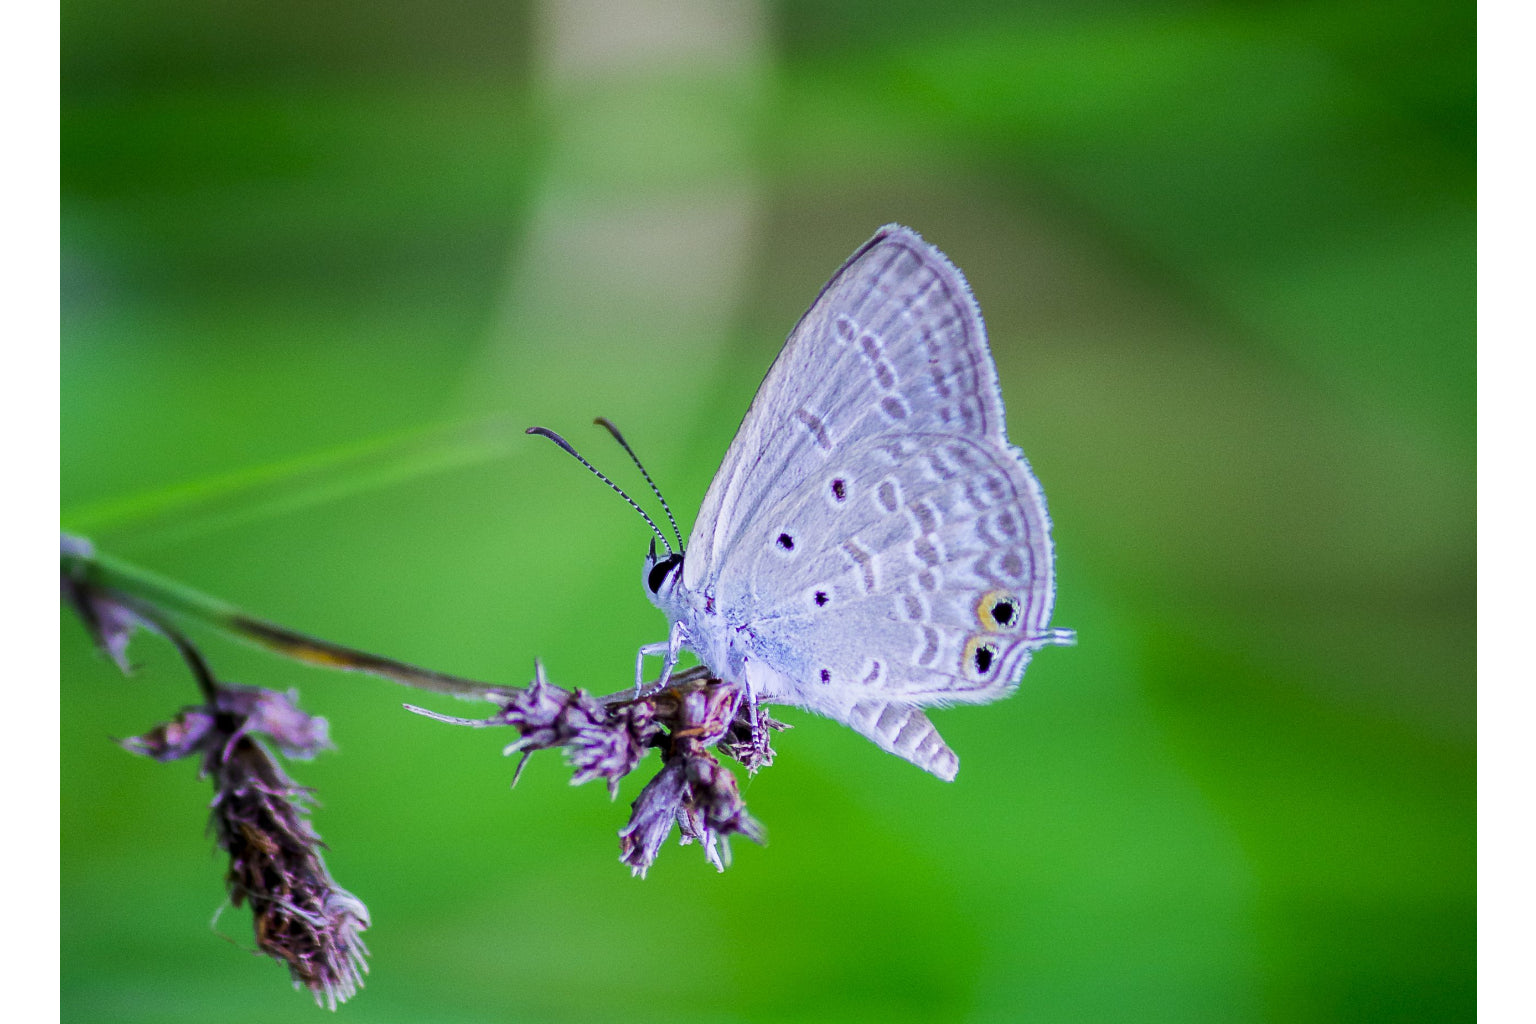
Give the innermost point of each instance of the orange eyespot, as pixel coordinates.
(980, 657)
(998, 610)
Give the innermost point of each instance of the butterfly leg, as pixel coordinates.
(674, 648)
(640, 656)
(669, 649)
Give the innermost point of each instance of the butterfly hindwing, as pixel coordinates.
(927, 581)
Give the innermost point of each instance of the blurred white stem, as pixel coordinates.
(639, 236)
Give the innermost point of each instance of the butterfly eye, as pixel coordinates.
(661, 570)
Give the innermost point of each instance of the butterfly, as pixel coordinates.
(871, 545)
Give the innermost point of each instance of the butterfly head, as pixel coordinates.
(663, 576)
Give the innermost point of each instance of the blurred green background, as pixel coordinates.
(322, 263)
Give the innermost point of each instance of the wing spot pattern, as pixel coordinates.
(932, 347)
(892, 718)
(893, 407)
(1003, 611)
(998, 611)
(940, 381)
(865, 563)
(985, 535)
(929, 747)
(943, 470)
(927, 520)
(916, 728)
(966, 456)
(982, 567)
(979, 658)
(889, 499)
(930, 646)
(815, 426)
(968, 418)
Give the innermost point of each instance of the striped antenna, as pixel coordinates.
(607, 424)
(573, 453)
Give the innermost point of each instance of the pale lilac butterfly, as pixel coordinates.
(871, 544)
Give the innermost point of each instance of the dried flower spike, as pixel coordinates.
(259, 816)
(302, 917)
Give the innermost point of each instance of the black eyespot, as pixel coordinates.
(1002, 612)
(821, 598)
(661, 570)
(983, 660)
(786, 542)
(839, 489)
(826, 676)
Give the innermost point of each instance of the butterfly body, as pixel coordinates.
(872, 544)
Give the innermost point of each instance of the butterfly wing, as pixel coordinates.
(929, 582)
(897, 313)
(881, 543)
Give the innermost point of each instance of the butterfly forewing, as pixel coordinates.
(894, 343)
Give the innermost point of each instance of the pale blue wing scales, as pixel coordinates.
(897, 322)
(938, 550)
(871, 533)
(905, 731)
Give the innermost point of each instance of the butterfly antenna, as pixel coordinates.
(607, 425)
(573, 453)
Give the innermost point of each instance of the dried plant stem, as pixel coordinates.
(155, 598)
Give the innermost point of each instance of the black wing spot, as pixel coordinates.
(839, 489)
(826, 676)
(786, 542)
(1002, 612)
(821, 598)
(983, 660)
